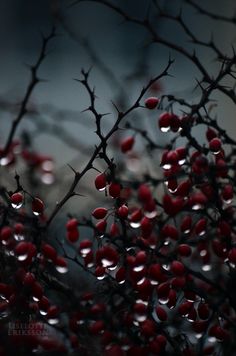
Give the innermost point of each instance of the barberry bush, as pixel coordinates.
(149, 269)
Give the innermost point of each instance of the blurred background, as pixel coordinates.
(122, 58)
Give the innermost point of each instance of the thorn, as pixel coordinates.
(72, 168)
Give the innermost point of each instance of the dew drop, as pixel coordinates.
(197, 207)
(163, 301)
(165, 129)
(150, 214)
(101, 189)
(19, 237)
(17, 206)
(206, 268)
(140, 318)
(43, 312)
(53, 321)
(85, 251)
(135, 225)
(138, 268)
(166, 166)
(141, 281)
(22, 257)
(212, 339)
(61, 269)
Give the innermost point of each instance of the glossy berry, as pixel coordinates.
(37, 206)
(161, 313)
(100, 182)
(72, 224)
(215, 145)
(177, 268)
(151, 103)
(99, 213)
(123, 212)
(114, 190)
(16, 200)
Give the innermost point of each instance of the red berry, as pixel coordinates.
(99, 213)
(123, 212)
(228, 193)
(210, 134)
(72, 235)
(151, 102)
(177, 268)
(215, 145)
(37, 206)
(164, 122)
(184, 250)
(161, 313)
(100, 182)
(114, 190)
(127, 144)
(101, 226)
(72, 224)
(49, 252)
(16, 200)
(6, 233)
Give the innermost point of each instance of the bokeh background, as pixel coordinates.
(122, 61)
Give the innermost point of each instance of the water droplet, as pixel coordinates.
(141, 281)
(135, 225)
(181, 161)
(62, 269)
(165, 129)
(43, 312)
(138, 268)
(166, 166)
(106, 262)
(150, 214)
(112, 268)
(19, 237)
(198, 336)
(90, 265)
(4, 314)
(35, 299)
(22, 257)
(140, 318)
(172, 191)
(166, 267)
(153, 282)
(206, 268)
(101, 189)
(187, 231)
(53, 321)
(212, 339)
(85, 251)
(36, 213)
(100, 278)
(163, 301)
(17, 206)
(203, 253)
(197, 207)
(121, 282)
(229, 201)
